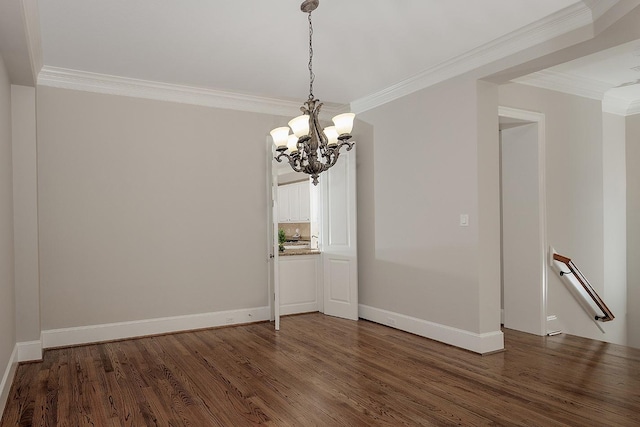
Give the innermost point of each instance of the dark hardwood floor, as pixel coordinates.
(319, 370)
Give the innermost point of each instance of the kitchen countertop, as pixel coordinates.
(305, 251)
(291, 248)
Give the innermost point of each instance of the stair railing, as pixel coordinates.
(582, 289)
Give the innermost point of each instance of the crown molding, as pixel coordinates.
(34, 39)
(620, 106)
(114, 85)
(634, 108)
(599, 7)
(580, 86)
(566, 83)
(561, 22)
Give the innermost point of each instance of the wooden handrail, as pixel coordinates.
(573, 269)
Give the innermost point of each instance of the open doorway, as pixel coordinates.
(523, 225)
(322, 276)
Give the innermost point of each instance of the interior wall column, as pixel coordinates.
(633, 229)
(25, 218)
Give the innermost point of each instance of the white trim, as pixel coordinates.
(566, 83)
(123, 330)
(561, 22)
(581, 86)
(114, 85)
(478, 343)
(614, 105)
(538, 118)
(620, 106)
(7, 379)
(29, 351)
(634, 108)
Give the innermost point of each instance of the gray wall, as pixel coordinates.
(434, 156)
(25, 213)
(575, 201)
(633, 228)
(138, 218)
(7, 299)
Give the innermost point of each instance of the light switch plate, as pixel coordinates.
(464, 220)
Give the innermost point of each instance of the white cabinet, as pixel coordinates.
(300, 284)
(283, 204)
(294, 203)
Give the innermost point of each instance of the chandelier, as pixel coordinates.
(311, 149)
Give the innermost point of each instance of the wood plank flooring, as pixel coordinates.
(319, 370)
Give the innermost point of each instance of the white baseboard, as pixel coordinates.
(7, 379)
(478, 343)
(123, 330)
(29, 351)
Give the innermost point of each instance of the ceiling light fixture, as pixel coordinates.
(310, 149)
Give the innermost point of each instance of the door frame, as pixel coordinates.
(539, 119)
(273, 281)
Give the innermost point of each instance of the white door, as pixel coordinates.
(524, 269)
(339, 250)
(272, 240)
(521, 256)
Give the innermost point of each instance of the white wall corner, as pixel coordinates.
(7, 379)
(478, 343)
(34, 38)
(599, 7)
(29, 351)
(124, 330)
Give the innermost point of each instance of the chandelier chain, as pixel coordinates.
(312, 149)
(312, 76)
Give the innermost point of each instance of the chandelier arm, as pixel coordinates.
(291, 160)
(295, 165)
(334, 153)
(348, 144)
(333, 158)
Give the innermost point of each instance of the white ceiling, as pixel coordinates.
(260, 47)
(614, 67)
(611, 75)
